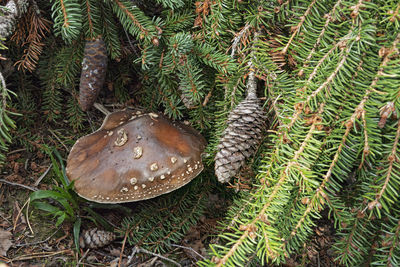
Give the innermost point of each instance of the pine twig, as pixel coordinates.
(189, 248)
(138, 249)
(252, 81)
(17, 184)
(83, 257)
(237, 39)
(122, 249)
(298, 26)
(38, 242)
(43, 175)
(38, 255)
(101, 108)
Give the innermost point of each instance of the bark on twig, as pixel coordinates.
(251, 80)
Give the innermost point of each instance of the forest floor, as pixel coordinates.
(29, 237)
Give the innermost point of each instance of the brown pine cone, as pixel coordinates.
(94, 66)
(239, 140)
(94, 238)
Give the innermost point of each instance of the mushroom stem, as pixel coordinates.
(102, 108)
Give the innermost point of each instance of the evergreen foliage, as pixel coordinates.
(6, 122)
(163, 222)
(328, 73)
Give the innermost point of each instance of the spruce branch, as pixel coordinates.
(89, 18)
(354, 244)
(13, 10)
(344, 54)
(91, 15)
(110, 31)
(388, 253)
(261, 217)
(342, 45)
(297, 28)
(67, 19)
(358, 112)
(134, 20)
(320, 191)
(330, 17)
(392, 158)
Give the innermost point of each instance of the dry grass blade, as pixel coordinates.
(40, 255)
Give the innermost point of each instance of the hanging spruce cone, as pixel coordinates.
(93, 74)
(240, 139)
(94, 238)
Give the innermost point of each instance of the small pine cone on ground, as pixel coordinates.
(240, 139)
(94, 65)
(94, 238)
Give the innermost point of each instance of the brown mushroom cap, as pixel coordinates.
(135, 156)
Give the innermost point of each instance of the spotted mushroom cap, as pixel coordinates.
(135, 156)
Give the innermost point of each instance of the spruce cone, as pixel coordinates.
(93, 74)
(244, 132)
(95, 238)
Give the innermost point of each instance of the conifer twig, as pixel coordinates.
(252, 81)
(298, 26)
(101, 108)
(132, 17)
(17, 184)
(237, 39)
(329, 18)
(358, 112)
(189, 248)
(391, 159)
(43, 175)
(283, 175)
(138, 249)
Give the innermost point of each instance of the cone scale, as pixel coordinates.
(93, 73)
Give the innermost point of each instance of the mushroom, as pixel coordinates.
(134, 156)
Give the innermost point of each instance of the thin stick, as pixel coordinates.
(58, 138)
(189, 248)
(43, 175)
(38, 255)
(16, 151)
(4, 218)
(2, 258)
(19, 214)
(122, 249)
(252, 81)
(142, 250)
(83, 257)
(130, 258)
(27, 217)
(38, 242)
(207, 98)
(17, 184)
(101, 108)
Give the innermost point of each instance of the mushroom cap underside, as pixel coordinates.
(135, 156)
